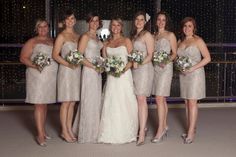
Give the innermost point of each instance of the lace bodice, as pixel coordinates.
(192, 52)
(162, 44)
(120, 51)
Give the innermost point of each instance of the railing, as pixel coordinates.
(220, 80)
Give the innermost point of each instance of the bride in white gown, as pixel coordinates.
(119, 118)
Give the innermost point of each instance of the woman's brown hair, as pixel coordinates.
(90, 17)
(133, 32)
(168, 25)
(183, 22)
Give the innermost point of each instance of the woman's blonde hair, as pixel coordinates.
(120, 21)
(38, 22)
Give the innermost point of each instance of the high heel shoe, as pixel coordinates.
(66, 140)
(188, 141)
(184, 135)
(145, 130)
(41, 143)
(159, 139)
(140, 143)
(167, 130)
(72, 136)
(47, 137)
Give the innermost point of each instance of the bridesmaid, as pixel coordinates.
(192, 81)
(40, 86)
(87, 125)
(68, 75)
(142, 74)
(164, 40)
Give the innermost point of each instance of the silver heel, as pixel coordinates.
(188, 141)
(159, 139)
(167, 130)
(47, 137)
(140, 143)
(41, 143)
(184, 135)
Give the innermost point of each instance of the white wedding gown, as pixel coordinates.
(119, 118)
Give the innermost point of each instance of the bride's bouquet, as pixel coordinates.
(99, 63)
(183, 63)
(161, 57)
(114, 66)
(74, 57)
(136, 56)
(41, 60)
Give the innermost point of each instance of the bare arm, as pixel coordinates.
(173, 45)
(129, 47)
(26, 53)
(205, 54)
(57, 49)
(104, 53)
(82, 47)
(149, 41)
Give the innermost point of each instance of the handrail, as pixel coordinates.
(10, 63)
(223, 62)
(11, 45)
(221, 44)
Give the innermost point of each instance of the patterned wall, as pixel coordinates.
(216, 24)
(216, 19)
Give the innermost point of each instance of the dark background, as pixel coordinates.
(216, 20)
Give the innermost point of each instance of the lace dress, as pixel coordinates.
(119, 119)
(41, 87)
(87, 120)
(68, 79)
(192, 85)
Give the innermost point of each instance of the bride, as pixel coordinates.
(119, 118)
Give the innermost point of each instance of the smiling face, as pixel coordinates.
(42, 28)
(116, 27)
(161, 21)
(70, 21)
(188, 28)
(140, 22)
(94, 23)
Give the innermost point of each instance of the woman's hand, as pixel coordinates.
(72, 66)
(190, 70)
(135, 65)
(162, 65)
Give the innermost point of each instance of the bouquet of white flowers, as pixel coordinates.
(114, 66)
(183, 63)
(136, 56)
(161, 57)
(74, 57)
(99, 63)
(41, 60)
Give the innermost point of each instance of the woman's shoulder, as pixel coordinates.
(170, 34)
(198, 38)
(84, 36)
(199, 41)
(147, 36)
(61, 36)
(126, 39)
(31, 42)
(147, 33)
